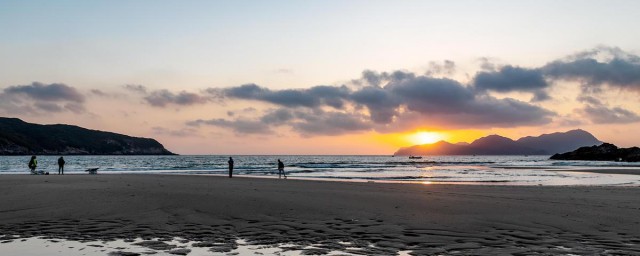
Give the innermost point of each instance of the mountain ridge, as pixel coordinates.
(18, 137)
(544, 144)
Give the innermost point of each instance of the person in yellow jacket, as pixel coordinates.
(33, 163)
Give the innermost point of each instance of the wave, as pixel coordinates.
(443, 179)
(445, 169)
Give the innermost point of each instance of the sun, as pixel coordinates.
(426, 137)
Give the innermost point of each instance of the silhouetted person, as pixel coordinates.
(230, 167)
(281, 169)
(61, 165)
(33, 163)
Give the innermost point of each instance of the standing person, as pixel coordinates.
(281, 169)
(230, 167)
(33, 163)
(60, 165)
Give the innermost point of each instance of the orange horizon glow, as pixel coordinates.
(393, 141)
(424, 137)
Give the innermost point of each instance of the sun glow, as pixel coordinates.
(426, 137)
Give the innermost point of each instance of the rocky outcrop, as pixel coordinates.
(21, 138)
(604, 152)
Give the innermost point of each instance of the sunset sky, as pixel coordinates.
(323, 77)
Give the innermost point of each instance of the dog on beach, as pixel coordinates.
(92, 170)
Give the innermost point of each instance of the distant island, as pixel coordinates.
(604, 152)
(546, 144)
(21, 138)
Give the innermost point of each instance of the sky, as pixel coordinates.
(323, 77)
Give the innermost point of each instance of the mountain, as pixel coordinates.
(21, 138)
(498, 145)
(560, 141)
(545, 144)
(604, 152)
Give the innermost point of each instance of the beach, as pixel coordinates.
(373, 218)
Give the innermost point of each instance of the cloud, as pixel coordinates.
(312, 97)
(306, 122)
(162, 98)
(75, 107)
(39, 98)
(317, 122)
(381, 101)
(14, 105)
(589, 100)
(488, 111)
(376, 79)
(136, 88)
(103, 94)
(330, 123)
(597, 67)
(449, 103)
(11, 109)
(277, 117)
(487, 64)
(46, 92)
(428, 95)
(98, 93)
(240, 126)
(371, 78)
(48, 107)
(513, 79)
(248, 110)
(184, 132)
(600, 113)
(287, 97)
(447, 68)
(382, 105)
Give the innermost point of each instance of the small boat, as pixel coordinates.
(415, 157)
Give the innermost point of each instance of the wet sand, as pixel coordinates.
(605, 171)
(425, 219)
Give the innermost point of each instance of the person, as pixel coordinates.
(281, 169)
(230, 167)
(33, 163)
(61, 165)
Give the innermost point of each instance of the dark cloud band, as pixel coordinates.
(46, 92)
(39, 98)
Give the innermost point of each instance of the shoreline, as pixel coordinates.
(502, 183)
(425, 219)
(624, 171)
(506, 183)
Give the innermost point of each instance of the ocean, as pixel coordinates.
(494, 170)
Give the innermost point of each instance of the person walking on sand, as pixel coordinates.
(33, 163)
(230, 167)
(281, 169)
(61, 166)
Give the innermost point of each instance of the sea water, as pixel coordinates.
(41, 246)
(507, 170)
